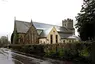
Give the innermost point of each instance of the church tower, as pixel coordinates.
(68, 23)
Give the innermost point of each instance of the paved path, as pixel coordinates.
(8, 57)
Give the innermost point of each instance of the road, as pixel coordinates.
(8, 57)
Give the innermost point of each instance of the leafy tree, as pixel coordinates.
(4, 41)
(12, 38)
(86, 20)
(16, 38)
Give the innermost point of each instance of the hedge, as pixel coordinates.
(68, 51)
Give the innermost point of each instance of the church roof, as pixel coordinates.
(22, 26)
(46, 32)
(64, 35)
(42, 28)
(74, 37)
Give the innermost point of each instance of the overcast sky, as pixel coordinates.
(45, 11)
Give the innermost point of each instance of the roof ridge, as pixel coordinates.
(21, 21)
(36, 22)
(45, 23)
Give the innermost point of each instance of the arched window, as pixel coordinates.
(40, 41)
(63, 41)
(51, 38)
(44, 42)
(70, 41)
(56, 38)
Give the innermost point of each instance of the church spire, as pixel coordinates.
(14, 18)
(31, 21)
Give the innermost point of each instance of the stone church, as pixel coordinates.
(41, 33)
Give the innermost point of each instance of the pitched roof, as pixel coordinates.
(74, 37)
(21, 26)
(46, 32)
(42, 28)
(39, 31)
(64, 35)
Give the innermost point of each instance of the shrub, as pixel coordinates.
(68, 51)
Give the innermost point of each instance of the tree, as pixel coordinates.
(86, 20)
(4, 41)
(12, 38)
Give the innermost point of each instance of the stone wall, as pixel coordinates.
(31, 36)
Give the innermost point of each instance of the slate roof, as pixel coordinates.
(42, 28)
(74, 37)
(71, 36)
(22, 26)
(46, 32)
(39, 31)
(62, 35)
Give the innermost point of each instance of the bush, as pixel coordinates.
(68, 51)
(30, 49)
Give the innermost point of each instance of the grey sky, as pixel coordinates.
(45, 11)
